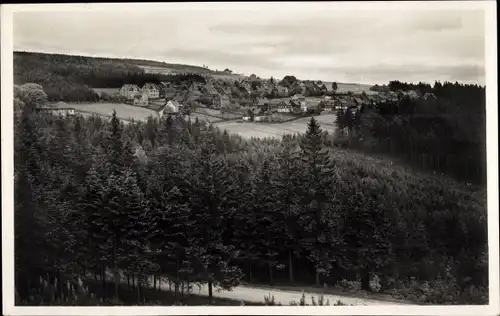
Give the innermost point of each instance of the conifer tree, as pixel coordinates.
(318, 171)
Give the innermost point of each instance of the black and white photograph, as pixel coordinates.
(328, 155)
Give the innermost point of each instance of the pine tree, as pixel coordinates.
(134, 243)
(318, 171)
(89, 218)
(115, 146)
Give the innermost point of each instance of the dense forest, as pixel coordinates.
(71, 78)
(446, 134)
(185, 200)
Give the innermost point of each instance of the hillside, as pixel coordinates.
(71, 78)
(133, 62)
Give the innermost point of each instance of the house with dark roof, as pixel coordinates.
(152, 90)
(298, 100)
(171, 107)
(246, 86)
(129, 91)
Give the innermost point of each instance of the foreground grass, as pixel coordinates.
(94, 295)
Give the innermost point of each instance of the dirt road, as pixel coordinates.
(254, 294)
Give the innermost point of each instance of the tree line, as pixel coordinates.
(446, 134)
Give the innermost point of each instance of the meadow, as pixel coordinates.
(123, 111)
(244, 129)
(109, 91)
(356, 88)
(262, 130)
(218, 114)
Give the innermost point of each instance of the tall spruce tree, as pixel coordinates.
(318, 171)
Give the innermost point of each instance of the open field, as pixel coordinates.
(227, 77)
(203, 117)
(245, 129)
(208, 111)
(159, 70)
(262, 130)
(327, 121)
(175, 69)
(212, 112)
(356, 88)
(123, 111)
(110, 91)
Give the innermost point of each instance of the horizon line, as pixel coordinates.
(90, 55)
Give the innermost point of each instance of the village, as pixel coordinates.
(252, 98)
(232, 103)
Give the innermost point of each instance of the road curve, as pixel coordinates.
(257, 295)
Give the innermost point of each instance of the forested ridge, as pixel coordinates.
(445, 133)
(183, 199)
(71, 78)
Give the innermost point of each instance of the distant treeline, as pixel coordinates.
(445, 134)
(71, 78)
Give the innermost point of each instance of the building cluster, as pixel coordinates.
(220, 93)
(259, 97)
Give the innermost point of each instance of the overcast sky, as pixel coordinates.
(344, 46)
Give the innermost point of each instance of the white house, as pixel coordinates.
(129, 91)
(246, 118)
(152, 90)
(172, 107)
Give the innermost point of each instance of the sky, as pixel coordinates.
(359, 46)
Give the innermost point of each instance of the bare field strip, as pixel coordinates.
(123, 111)
(109, 91)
